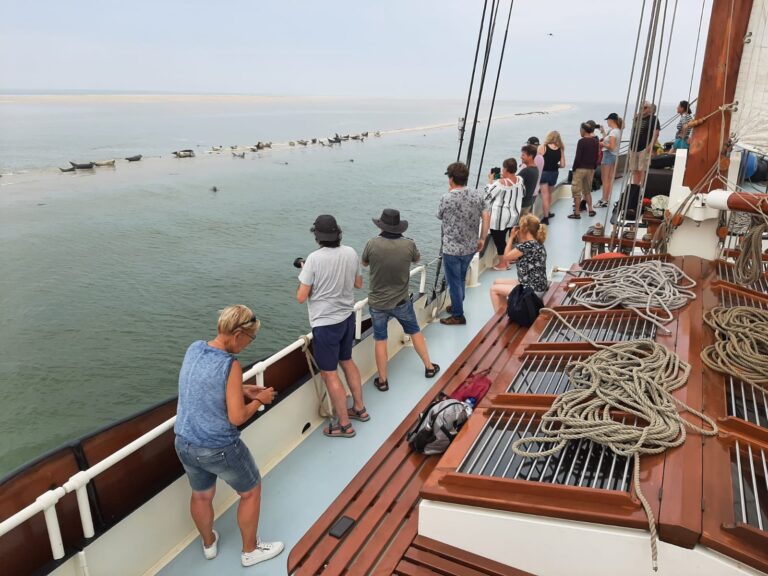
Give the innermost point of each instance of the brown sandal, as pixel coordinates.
(361, 415)
(337, 431)
(381, 385)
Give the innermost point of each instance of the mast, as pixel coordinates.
(720, 70)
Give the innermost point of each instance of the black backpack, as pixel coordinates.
(523, 305)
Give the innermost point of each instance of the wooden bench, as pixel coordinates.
(383, 498)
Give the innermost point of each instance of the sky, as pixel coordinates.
(558, 50)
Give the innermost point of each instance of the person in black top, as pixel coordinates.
(584, 164)
(645, 133)
(530, 176)
(553, 153)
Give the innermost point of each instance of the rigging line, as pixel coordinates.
(472, 80)
(495, 88)
(696, 52)
(488, 45)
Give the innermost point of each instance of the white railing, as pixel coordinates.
(78, 483)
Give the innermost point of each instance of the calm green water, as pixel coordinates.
(105, 278)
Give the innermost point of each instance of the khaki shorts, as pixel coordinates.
(581, 184)
(639, 161)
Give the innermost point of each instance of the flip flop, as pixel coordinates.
(574, 216)
(381, 385)
(361, 414)
(592, 213)
(337, 431)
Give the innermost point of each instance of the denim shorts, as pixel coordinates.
(233, 464)
(549, 177)
(403, 313)
(608, 158)
(332, 344)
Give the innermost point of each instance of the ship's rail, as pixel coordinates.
(81, 482)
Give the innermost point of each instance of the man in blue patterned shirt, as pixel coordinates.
(461, 211)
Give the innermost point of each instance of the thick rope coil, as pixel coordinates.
(636, 378)
(749, 264)
(741, 348)
(643, 287)
(325, 407)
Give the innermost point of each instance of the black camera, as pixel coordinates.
(496, 173)
(598, 126)
(299, 262)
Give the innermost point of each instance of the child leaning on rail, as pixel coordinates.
(211, 406)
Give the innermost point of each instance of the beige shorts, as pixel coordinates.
(639, 161)
(581, 184)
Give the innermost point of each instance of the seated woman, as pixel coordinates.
(526, 248)
(211, 407)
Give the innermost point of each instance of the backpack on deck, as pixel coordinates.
(437, 426)
(475, 387)
(523, 305)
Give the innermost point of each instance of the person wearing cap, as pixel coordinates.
(327, 281)
(211, 406)
(390, 255)
(645, 133)
(538, 161)
(461, 211)
(610, 141)
(530, 175)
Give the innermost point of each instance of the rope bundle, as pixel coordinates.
(636, 378)
(749, 264)
(741, 348)
(641, 287)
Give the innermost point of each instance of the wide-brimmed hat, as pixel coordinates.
(390, 221)
(326, 229)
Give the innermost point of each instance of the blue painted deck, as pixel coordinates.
(299, 489)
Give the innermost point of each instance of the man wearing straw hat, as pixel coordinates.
(390, 255)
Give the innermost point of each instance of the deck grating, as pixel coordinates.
(749, 472)
(542, 375)
(608, 327)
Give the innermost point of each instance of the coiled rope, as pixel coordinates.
(636, 378)
(741, 348)
(652, 289)
(749, 264)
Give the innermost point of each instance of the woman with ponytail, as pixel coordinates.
(526, 248)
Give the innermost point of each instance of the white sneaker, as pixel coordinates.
(264, 551)
(211, 551)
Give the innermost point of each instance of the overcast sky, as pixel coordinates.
(559, 50)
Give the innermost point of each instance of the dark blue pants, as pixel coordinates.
(455, 268)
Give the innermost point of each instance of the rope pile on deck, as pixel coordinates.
(749, 263)
(648, 288)
(741, 348)
(635, 378)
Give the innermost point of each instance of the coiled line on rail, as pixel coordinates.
(741, 346)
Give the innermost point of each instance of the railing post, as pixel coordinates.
(423, 280)
(358, 323)
(78, 483)
(474, 272)
(48, 503)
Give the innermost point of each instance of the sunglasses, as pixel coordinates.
(247, 322)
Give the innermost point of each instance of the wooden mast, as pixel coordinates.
(725, 44)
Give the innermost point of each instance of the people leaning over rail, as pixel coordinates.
(609, 143)
(553, 154)
(683, 132)
(461, 210)
(390, 255)
(327, 281)
(504, 196)
(645, 134)
(526, 248)
(211, 406)
(584, 163)
(530, 175)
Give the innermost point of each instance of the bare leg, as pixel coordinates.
(546, 200)
(354, 382)
(637, 177)
(201, 508)
(499, 293)
(420, 345)
(248, 517)
(337, 394)
(381, 359)
(588, 198)
(609, 174)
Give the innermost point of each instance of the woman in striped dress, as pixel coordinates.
(505, 197)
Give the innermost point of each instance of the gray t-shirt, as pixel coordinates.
(331, 272)
(461, 210)
(530, 176)
(390, 260)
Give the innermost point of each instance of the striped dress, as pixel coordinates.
(504, 199)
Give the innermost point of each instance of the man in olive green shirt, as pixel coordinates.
(390, 255)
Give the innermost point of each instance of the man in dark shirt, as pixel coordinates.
(645, 133)
(584, 164)
(530, 176)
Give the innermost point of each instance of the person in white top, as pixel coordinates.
(505, 196)
(610, 141)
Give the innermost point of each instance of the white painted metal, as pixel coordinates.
(553, 547)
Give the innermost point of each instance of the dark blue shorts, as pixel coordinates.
(233, 464)
(403, 314)
(333, 344)
(549, 177)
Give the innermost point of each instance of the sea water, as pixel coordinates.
(107, 276)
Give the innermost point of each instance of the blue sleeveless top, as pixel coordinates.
(201, 414)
